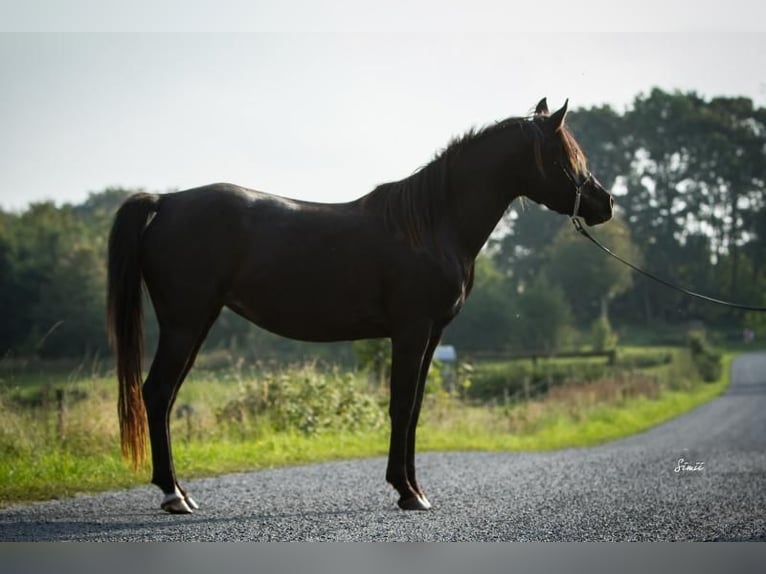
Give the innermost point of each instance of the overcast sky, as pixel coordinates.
(316, 111)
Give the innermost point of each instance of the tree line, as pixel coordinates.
(688, 175)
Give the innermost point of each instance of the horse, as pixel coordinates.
(396, 263)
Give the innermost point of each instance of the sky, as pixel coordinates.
(323, 104)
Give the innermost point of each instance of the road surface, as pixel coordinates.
(623, 491)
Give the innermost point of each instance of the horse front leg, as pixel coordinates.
(422, 378)
(408, 350)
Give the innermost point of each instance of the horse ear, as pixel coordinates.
(557, 119)
(542, 108)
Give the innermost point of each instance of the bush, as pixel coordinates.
(705, 358)
(496, 380)
(306, 400)
(492, 381)
(644, 359)
(374, 357)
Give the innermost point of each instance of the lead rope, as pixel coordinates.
(584, 232)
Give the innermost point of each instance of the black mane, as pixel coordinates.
(413, 207)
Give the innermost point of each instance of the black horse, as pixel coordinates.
(397, 262)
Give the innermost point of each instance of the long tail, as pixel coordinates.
(125, 319)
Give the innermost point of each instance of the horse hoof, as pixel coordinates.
(190, 502)
(414, 502)
(176, 505)
(424, 500)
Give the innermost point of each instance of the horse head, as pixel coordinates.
(563, 182)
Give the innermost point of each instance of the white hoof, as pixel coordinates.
(190, 502)
(174, 503)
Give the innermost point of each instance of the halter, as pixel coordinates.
(578, 188)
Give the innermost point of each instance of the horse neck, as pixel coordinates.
(482, 184)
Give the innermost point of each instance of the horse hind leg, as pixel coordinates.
(181, 492)
(175, 354)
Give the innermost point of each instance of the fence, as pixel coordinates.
(610, 355)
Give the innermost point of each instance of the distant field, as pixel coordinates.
(242, 418)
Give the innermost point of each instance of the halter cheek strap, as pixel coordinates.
(578, 190)
(578, 198)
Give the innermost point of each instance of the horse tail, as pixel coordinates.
(125, 319)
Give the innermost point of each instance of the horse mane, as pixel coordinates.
(573, 152)
(414, 206)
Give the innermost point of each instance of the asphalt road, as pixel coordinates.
(624, 491)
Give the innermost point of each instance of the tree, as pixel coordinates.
(519, 251)
(10, 293)
(36, 242)
(68, 317)
(589, 278)
(486, 320)
(688, 175)
(543, 317)
(52, 276)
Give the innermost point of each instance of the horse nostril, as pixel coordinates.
(611, 202)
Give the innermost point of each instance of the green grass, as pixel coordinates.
(557, 427)
(602, 424)
(34, 466)
(60, 473)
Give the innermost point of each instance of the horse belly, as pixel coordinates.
(312, 306)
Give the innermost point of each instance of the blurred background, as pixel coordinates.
(667, 102)
(673, 123)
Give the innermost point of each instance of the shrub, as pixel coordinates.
(435, 378)
(495, 380)
(706, 359)
(644, 359)
(374, 357)
(305, 400)
(516, 380)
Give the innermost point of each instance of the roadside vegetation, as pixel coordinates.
(59, 435)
